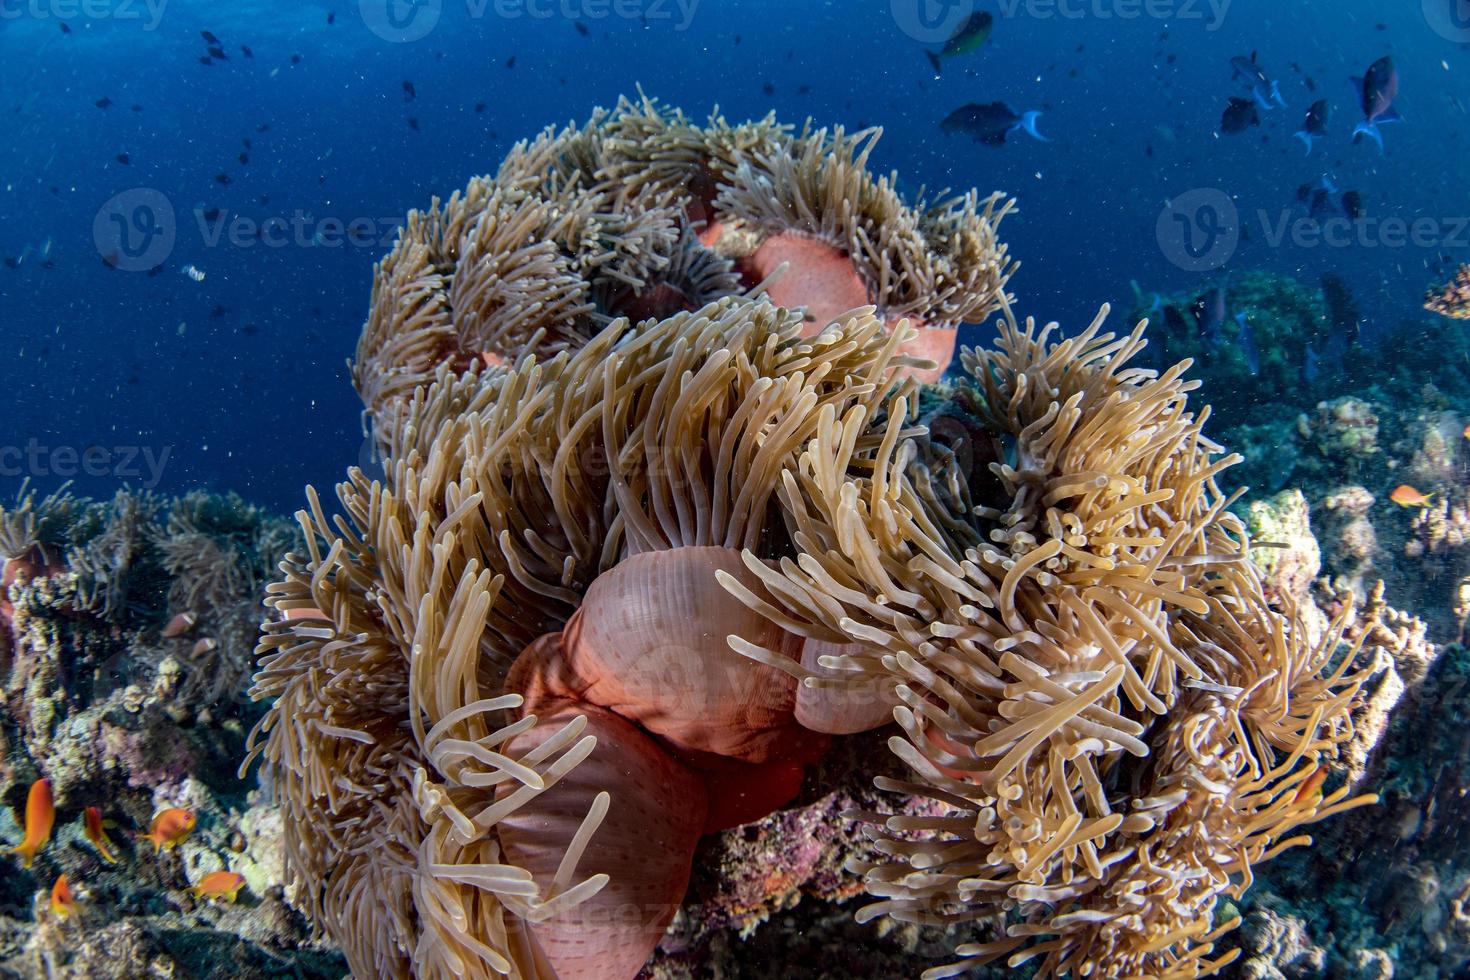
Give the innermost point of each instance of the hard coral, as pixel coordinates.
(1453, 298)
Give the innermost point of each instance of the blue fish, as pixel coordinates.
(1248, 348)
(990, 123)
(1314, 125)
(1265, 90)
(1376, 92)
(1211, 311)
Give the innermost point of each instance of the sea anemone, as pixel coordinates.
(621, 582)
(1090, 676)
(640, 213)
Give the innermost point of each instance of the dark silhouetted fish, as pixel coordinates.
(1352, 205)
(990, 123)
(479, 107)
(1211, 310)
(1265, 92)
(331, 17)
(1343, 314)
(510, 62)
(222, 178)
(970, 36)
(1321, 203)
(124, 159)
(409, 93)
(218, 54)
(1314, 125)
(65, 29)
(205, 59)
(413, 124)
(295, 59)
(581, 28)
(1246, 340)
(1174, 320)
(209, 38)
(244, 159)
(1239, 116)
(245, 50)
(1376, 92)
(103, 102)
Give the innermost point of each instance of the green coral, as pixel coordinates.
(1284, 317)
(1283, 547)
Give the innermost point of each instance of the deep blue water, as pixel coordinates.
(239, 377)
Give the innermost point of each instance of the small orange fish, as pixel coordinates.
(180, 624)
(92, 822)
(219, 884)
(1406, 496)
(40, 818)
(170, 827)
(1467, 432)
(63, 903)
(1312, 784)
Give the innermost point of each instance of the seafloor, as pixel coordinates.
(130, 720)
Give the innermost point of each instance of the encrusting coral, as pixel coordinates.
(620, 582)
(1453, 298)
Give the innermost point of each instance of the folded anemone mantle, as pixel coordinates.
(650, 533)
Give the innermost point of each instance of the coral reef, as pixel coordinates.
(1453, 298)
(114, 715)
(1272, 334)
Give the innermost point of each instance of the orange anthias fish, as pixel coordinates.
(63, 903)
(170, 827)
(92, 822)
(40, 818)
(219, 884)
(1406, 496)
